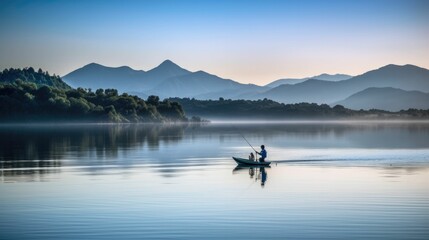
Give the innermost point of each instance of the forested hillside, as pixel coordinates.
(270, 110)
(40, 78)
(26, 95)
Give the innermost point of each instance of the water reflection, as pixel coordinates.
(257, 174)
(127, 181)
(331, 134)
(28, 171)
(51, 142)
(171, 149)
(40, 149)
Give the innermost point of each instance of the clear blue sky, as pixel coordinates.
(248, 41)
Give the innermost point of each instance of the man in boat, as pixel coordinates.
(263, 154)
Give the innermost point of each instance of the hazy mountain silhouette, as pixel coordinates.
(391, 99)
(407, 77)
(324, 76)
(170, 80)
(166, 70)
(244, 91)
(97, 76)
(332, 77)
(193, 84)
(124, 78)
(166, 80)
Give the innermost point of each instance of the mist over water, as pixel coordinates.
(327, 180)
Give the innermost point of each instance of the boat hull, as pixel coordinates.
(243, 161)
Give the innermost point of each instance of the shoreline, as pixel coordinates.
(225, 122)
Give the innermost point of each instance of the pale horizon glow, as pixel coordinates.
(247, 41)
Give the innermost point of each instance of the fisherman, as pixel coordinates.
(263, 154)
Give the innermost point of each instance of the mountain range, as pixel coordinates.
(390, 99)
(324, 76)
(166, 80)
(170, 80)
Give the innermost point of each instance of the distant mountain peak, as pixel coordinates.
(328, 75)
(93, 64)
(397, 71)
(96, 67)
(168, 64)
(332, 77)
(389, 67)
(127, 68)
(201, 72)
(393, 66)
(167, 61)
(167, 69)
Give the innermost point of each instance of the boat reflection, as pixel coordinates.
(259, 174)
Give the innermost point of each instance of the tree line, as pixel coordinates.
(268, 109)
(37, 96)
(39, 78)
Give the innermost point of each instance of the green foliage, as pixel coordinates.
(153, 100)
(38, 78)
(27, 101)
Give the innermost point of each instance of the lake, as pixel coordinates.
(328, 180)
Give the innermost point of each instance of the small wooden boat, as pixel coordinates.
(243, 161)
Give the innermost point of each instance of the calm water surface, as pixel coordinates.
(329, 180)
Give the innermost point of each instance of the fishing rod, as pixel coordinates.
(248, 142)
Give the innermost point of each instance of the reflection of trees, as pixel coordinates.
(28, 171)
(47, 143)
(166, 134)
(106, 141)
(43, 147)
